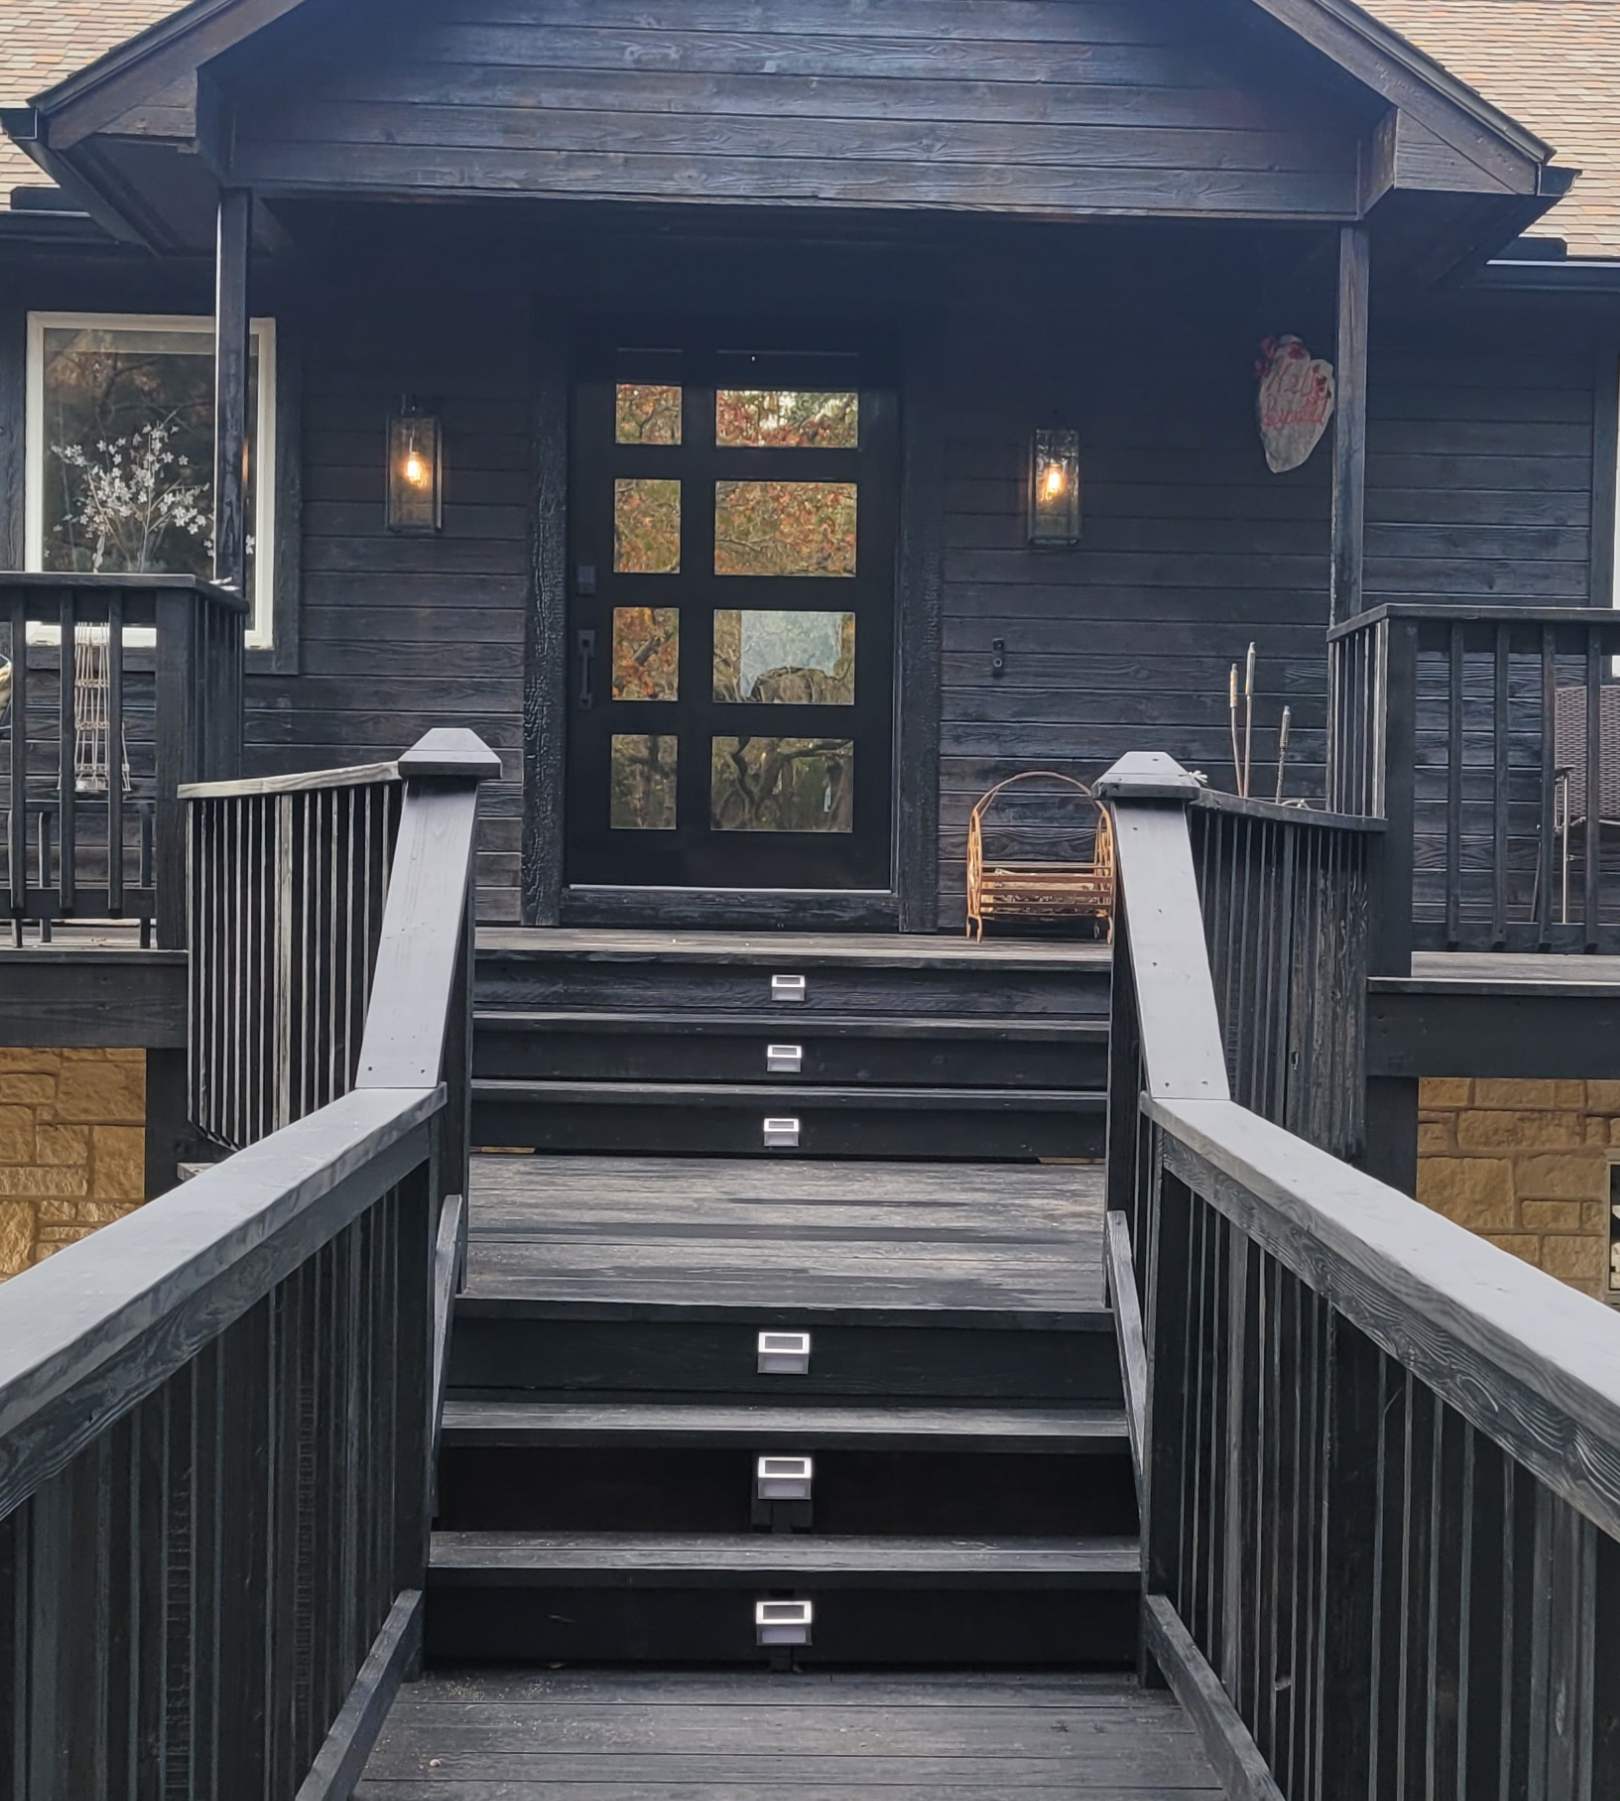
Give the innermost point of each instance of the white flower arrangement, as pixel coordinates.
(133, 492)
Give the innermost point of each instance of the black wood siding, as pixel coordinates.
(1039, 106)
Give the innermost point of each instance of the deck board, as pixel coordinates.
(701, 1736)
(706, 1232)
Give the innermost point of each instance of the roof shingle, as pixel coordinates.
(1554, 65)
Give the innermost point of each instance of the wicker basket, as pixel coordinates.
(1039, 891)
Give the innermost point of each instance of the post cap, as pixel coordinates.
(1149, 775)
(450, 751)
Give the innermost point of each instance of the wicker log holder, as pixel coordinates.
(1034, 891)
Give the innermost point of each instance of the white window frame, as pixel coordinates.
(261, 621)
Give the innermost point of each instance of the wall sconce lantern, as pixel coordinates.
(415, 470)
(1054, 487)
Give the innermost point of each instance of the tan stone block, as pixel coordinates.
(119, 1169)
(48, 1179)
(1574, 1176)
(16, 1236)
(13, 1058)
(16, 1135)
(1551, 1216)
(1523, 1245)
(1603, 1097)
(1582, 1259)
(1596, 1131)
(1447, 1091)
(1474, 1191)
(1594, 1216)
(102, 1213)
(1523, 1096)
(1521, 1131)
(100, 1090)
(28, 1089)
(55, 1210)
(62, 1144)
(1435, 1140)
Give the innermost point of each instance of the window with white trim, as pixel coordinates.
(120, 449)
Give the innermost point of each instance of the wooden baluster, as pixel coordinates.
(176, 755)
(17, 825)
(1455, 669)
(66, 756)
(1499, 789)
(115, 755)
(1547, 834)
(1592, 835)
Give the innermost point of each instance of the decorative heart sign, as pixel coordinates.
(1295, 402)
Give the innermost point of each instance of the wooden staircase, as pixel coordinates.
(725, 1044)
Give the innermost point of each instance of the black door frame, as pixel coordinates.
(913, 903)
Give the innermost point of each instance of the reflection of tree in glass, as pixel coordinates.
(784, 528)
(646, 653)
(132, 435)
(646, 415)
(797, 659)
(782, 785)
(787, 418)
(642, 789)
(646, 526)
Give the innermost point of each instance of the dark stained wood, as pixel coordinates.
(1605, 543)
(545, 678)
(233, 251)
(1125, 1299)
(341, 1760)
(1350, 425)
(13, 382)
(815, 1737)
(1227, 1741)
(101, 997)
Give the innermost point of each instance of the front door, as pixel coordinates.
(732, 616)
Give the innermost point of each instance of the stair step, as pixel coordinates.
(837, 1051)
(607, 1597)
(715, 1117)
(1034, 1430)
(777, 1560)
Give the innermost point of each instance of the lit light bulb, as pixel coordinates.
(415, 470)
(1054, 480)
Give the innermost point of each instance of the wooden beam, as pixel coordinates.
(1605, 549)
(1226, 1740)
(1133, 1360)
(1350, 427)
(231, 388)
(341, 1760)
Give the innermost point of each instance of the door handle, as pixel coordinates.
(585, 645)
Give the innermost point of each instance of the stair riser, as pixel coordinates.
(978, 1627)
(514, 1053)
(657, 1128)
(577, 984)
(700, 1489)
(503, 1354)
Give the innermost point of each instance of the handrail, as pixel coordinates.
(1381, 1472)
(216, 1414)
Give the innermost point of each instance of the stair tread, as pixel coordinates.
(790, 1428)
(772, 1024)
(765, 1557)
(755, 1094)
(779, 950)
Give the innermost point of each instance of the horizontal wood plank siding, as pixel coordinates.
(1042, 106)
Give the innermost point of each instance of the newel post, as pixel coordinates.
(231, 330)
(1166, 1042)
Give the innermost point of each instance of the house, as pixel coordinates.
(725, 440)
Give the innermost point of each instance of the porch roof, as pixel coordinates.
(101, 58)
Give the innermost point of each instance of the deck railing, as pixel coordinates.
(216, 1414)
(121, 688)
(1479, 733)
(1380, 1458)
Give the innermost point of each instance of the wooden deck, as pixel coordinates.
(703, 1736)
(685, 1234)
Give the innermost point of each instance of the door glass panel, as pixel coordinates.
(646, 653)
(794, 659)
(784, 528)
(646, 526)
(787, 418)
(642, 782)
(646, 414)
(782, 785)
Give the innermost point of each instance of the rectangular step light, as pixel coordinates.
(784, 1478)
(784, 1059)
(781, 1134)
(783, 1622)
(784, 1353)
(787, 988)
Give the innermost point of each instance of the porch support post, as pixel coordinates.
(231, 387)
(1350, 427)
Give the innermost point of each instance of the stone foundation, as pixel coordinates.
(72, 1147)
(1526, 1165)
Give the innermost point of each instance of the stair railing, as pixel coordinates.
(216, 1413)
(1380, 1458)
